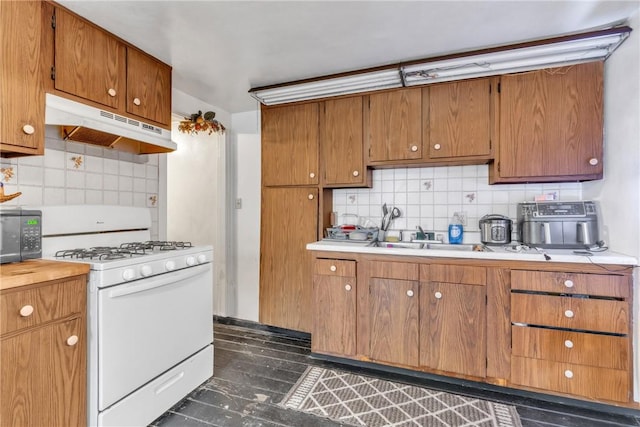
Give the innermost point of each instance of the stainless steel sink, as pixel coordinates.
(433, 246)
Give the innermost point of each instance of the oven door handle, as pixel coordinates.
(159, 281)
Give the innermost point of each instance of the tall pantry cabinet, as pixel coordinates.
(290, 210)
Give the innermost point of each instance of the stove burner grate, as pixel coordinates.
(125, 250)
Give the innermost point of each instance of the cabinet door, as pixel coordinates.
(551, 123)
(44, 376)
(453, 327)
(290, 145)
(148, 87)
(334, 307)
(395, 125)
(21, 85)
(289, 222)
(89, 62)
(393, 317)
(459, 122)
(342, 142)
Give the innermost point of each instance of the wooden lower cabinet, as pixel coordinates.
(334, 307)
(43, 362)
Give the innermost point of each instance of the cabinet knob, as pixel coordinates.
(568, 343)
(409, 293)
(568, 283)
(356, 173)
(28, 129)
(568, 313)
(414, 148)
(568, 373)
(347, 287)
(333, 268)
(136, 101)
(72, 340)
(312, 175)
(593, 161)
(26, 311)
(436, 147)
(310, 196)
(112, 92)
(438, 295)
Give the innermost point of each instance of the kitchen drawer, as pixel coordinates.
(605, 351)
(571, 313)
(335, 267)
(580, 380)
(48, 302)
(462, 274)
(574, 283)
(393, 270)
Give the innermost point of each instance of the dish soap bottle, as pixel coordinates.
(455, 230)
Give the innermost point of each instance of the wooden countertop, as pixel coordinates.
(38, 270)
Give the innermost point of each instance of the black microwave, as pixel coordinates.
(21, 234)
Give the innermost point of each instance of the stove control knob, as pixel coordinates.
(129, 274)
(146, 271)
(191, 260)
(170, 265)
(202, 258)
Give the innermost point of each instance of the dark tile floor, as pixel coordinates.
(255, 367)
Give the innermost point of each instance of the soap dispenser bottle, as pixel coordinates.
(455, 230)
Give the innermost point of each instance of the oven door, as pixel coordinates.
(148, 326)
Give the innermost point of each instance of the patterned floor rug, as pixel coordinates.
(363, 401)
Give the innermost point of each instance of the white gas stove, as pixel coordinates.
(150, 310)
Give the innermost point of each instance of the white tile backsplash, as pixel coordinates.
(429, 196)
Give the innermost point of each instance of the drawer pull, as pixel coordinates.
(409, 293)
(26, 311)
(136, 101)
(356, 173)
(568, 313)
(568, 343)
(310, 196)
(347, 287)
(593, 161)
(437, 146)
(72, 340)
(414, 148)
(438, 295)
(333, 268)
(568, 283)
(568, 373)
(28, 129)
(111, 92)
(312, 175)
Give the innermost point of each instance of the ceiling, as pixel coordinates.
(221, 49)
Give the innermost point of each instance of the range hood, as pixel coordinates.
(83, 123)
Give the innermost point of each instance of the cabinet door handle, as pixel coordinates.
(356, 173)
(26, 311)
(310, 196)
(437, 147)
(112, 92)
(593, 161)
(568, 343)
(414, 148)
(438, 295)
(312, 175)
(568, 313)
(333, 268)
(568, 373)
(568, 283)
(409, 293)
(72, 340)
(347, 287)
(136, 101)
(28, 129)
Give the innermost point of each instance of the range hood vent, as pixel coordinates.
(83, 123)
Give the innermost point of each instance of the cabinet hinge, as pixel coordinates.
(53, 21)
(499, 88)
(498, 166)
(53, 72)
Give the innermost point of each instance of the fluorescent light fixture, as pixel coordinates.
(514, 60)
(553, 52)
(342, 85)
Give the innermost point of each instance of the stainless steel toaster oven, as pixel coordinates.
(21, 231)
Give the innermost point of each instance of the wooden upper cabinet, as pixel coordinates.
(341, 141)
(290, 145)
(459, 119)
(148, 87)
(89, 62)
(394, 121)
(21, 84)
(551, 125)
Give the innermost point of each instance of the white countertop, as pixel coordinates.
(496, 253)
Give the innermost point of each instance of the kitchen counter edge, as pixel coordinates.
(37, 271)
